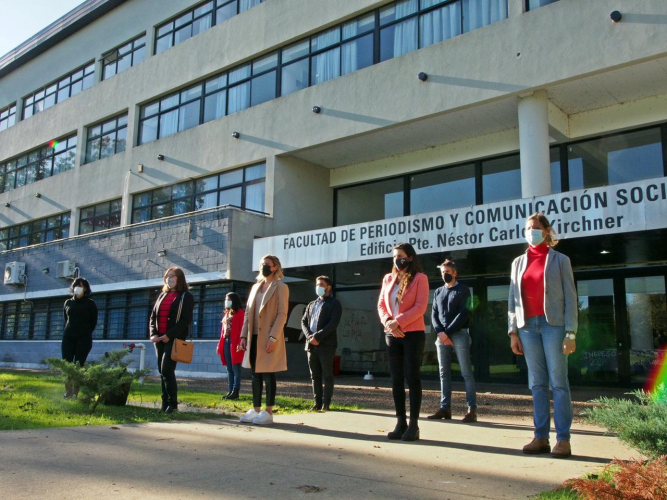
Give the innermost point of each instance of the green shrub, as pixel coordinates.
(98, 382)
(640, 423)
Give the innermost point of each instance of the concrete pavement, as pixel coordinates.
(337, 455)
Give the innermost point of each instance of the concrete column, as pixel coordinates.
(515, 7)
(534, 144)
(150, 42)
(74, 221)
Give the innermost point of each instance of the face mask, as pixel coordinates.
(449, 277)
(228, 304)
(78, 291)
(320, 291)
(171, 282)
(266, 270)
(401, 263)
(534, 237)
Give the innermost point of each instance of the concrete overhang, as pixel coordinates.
(622, 91)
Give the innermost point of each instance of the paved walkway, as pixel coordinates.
(336, 455)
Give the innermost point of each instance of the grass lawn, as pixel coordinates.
(33, 400)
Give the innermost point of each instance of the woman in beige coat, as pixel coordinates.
(263, 338)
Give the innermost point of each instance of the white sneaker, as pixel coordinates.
(263, 418)
(249, 417)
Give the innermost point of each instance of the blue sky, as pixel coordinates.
(21, 19)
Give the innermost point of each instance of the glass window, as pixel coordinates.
(616, 159)
(326, 66)
(477, 14)
(398, 39)
(444, 189)
(99, 217)
(440, 24)
(295, 76)
(397, 11)
(263, 88)
(33, 233)
(534, 4)
(295, 51)
(501, 179)
(243, 188)
(7, 117)
(113, 141)
(121, 58)
(556, 185)
(368, 202)
(357, 54)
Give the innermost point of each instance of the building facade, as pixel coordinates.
(140, 134)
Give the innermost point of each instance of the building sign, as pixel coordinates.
(621, 208)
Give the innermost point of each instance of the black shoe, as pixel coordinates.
(411, 433)
(170, 410)
(441, 413)
(399, 430)
(164, 406)
(226, 396)
(233, 395)
(316, 407)
(326, 408)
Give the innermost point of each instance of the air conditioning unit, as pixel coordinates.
(66, 269)
(14, 273)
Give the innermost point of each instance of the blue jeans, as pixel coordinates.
(547, 365)
(462, 342)
(233, 370)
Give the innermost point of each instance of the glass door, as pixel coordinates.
(596, 358)
(503, 363)
(646, 307)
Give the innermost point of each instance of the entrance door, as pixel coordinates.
(596, 358)
(646, 308)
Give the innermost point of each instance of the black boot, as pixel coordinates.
(399, 430)
(412, 432)
(164, 406)
(226, 396)
(233, 395)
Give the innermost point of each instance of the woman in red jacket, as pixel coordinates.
(230, 334)
(401, 307)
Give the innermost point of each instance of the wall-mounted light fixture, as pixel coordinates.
(236, 135)
(161, 253)
(140, 168)
(616, 16)
(160, 157)
(46, 270)
(37, 195)
(7, 205)
(317, 110)
(422, 76)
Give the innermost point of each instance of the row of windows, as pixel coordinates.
(57, 157)
(121, 315)
(379, 35)
(106, 139)
(197, 20)
(66, 87)
(35, 232)
(614, 159)
(124, 57)
(243, 188)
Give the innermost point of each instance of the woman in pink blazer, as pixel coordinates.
(230, 336)
(401, 306)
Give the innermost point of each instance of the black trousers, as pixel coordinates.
(320, 362)
(405, 358)
(76, 348)
(167, 368)
(258, 380)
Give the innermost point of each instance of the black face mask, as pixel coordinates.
(449, 278)
(266, 270)
(401, 263)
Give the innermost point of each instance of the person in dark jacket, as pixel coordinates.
(319, 323)
(450, 322)
(80, 314)
(170, 319)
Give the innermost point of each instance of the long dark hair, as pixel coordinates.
(236, 302)
(82, 282)
(409, 272)
(181, 282)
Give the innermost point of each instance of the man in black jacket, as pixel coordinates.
(319, 324)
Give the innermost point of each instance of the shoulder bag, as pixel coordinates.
(182, 350)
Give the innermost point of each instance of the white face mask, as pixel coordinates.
(320, 291)
(171, 282)
(228, 304)
(78, 291)
(534, 236)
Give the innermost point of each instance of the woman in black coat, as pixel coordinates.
(166, 325)
(80, 314)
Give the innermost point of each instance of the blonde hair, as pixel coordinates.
(551, 238)
(276, 262)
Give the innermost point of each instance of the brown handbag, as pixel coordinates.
(182, 350)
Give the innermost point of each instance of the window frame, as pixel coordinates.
(35, 228)
(136, 44)
(117, 128)
(8, 117)
(83, 220)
